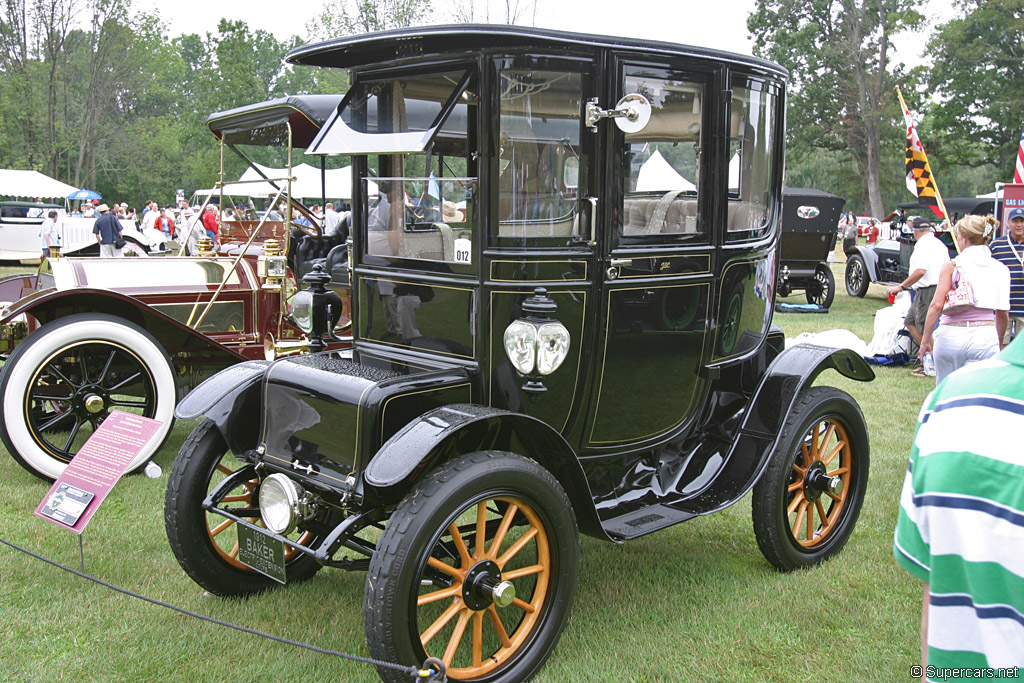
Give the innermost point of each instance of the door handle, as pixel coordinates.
(614, 265)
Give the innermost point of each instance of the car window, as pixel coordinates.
(754, 123)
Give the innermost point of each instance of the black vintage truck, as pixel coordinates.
(563, 267)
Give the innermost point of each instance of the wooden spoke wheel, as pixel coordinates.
(807, 502)
(205, 543)
(487, 572)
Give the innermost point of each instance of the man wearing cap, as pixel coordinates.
(1009, 250)
(926, 262)
(107, 231)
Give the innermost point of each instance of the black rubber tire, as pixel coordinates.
(416, 530)
(46, 379)
(857, 278)
(207, 562)
(773, 527)
(823, 290)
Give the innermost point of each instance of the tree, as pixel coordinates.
(351, 17)
(842, 74)
(978, 77)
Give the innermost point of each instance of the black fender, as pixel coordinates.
(182, 343)
(227, 398)
(789, 373)
(870, 257)
(457, 429)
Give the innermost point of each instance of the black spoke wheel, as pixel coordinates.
(462, 541)
(60, 384)
(205, 543)
(806, 503)
(857, 279)
(823, 289)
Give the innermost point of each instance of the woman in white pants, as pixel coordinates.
(973, 334)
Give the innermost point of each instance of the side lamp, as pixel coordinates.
(316, 309)
(536, 343)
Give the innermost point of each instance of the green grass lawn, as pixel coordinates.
(694, 602)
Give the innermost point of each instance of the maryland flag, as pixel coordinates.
(920, 181)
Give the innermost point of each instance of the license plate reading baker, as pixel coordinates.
(262, 553)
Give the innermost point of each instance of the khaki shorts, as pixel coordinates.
(1014, 328)
(918, 312)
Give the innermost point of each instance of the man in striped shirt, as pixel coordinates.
(961, 518)
(1009, 250)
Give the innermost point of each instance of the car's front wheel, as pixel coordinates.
(806, 503)
(205, 543)
(60, 384)
(477, 566)
(857, 278)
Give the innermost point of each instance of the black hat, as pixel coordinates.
(921, 223)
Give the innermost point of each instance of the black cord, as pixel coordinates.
(410, 670)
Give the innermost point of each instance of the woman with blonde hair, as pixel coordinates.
(973, 334)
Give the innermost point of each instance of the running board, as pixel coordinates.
(644, 521)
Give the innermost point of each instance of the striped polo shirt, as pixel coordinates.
(1004, 253)
(961, 517)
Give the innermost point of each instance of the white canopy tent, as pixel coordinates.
(32, 184)
(656, 174)
(307, 184)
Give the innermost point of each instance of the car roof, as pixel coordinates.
(387, 46)
(249, 124)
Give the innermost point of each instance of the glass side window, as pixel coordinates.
(662, 162)
(421, 205)
(753, 146)
(539, 159)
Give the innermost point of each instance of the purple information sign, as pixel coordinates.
(76, 495)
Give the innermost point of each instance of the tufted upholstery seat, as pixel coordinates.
(309, 250)
(664, 215)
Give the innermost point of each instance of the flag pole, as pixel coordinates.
(910, 124)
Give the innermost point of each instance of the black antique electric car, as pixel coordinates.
(562, 300)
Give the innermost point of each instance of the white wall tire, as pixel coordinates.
(43, 389)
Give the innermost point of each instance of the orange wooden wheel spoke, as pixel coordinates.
(224, 468)
(234, 550)
(441, 621)
(810, 521)
(795, 486)
(807, 458)
(453, 642)
(460, 544)
(446, 568)
(516, 547)
(799, 518)
(239, 498)
(841, 470)
(450, 592)
(478, 638)
(525, 606)
(524, 571)
(836, 450)
(221, 527)
(499, 628)
(499, 536)
(821, 513)
(481, 530)
(797, 500)
(826, 439)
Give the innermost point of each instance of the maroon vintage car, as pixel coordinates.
(84, 336)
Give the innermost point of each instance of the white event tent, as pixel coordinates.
(657, 174)
(307, 183)
(32, 184)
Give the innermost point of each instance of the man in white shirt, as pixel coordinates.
(49, 237)
(930, 254)
(149, 217)
(332, 219)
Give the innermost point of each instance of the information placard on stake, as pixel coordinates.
(78, 492)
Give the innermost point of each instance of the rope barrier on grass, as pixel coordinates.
(433, 669)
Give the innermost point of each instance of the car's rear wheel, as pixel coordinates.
(823, 289)
(857, 279)
(205, 543)
(60, 384)
(806, 504)
(464, 538)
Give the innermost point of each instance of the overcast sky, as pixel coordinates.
(719, 24)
